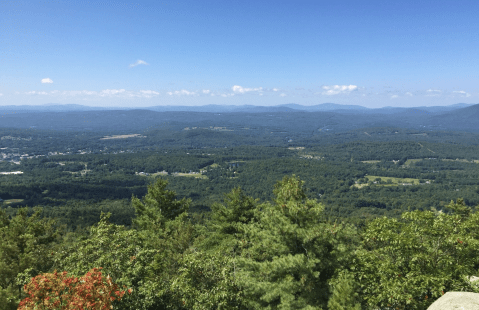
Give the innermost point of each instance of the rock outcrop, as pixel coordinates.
(456, 301)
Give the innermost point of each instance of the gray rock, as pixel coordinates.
(456, 301)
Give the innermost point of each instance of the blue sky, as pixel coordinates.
(147, 53)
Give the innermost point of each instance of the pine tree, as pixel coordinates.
(344, 293)
(289, 253)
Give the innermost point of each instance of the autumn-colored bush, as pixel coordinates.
(59, 291)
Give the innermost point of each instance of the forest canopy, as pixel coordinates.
(277, 254)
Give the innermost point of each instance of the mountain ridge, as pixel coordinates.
(213, 108)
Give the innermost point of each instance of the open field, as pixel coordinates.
(10, 201)
(191, 175)
(412, 161)
(384, 181)
(395, 181)
(136, 135)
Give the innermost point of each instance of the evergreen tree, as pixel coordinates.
(344, 292)
(290, 253)
(163, 225)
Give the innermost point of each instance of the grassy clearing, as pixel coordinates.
(384, 181)
(370, 161)
(395, 181)
(296, 148)
(412, 161)
(190, 175)
(155, 174)
(10, 201)
(360, 185)
(136, 135)
(462, 160)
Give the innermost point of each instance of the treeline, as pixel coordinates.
(283, 253)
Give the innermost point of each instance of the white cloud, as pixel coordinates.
(227, 95)
(182, 92)
(394, 96)
(1, 94)
(149, 92)
(121, 93)
(138, 62)
(206, 91)
(433, 92)
(111, 92)
(283, 95)
(241, 90)
(36, 93)
(338, 89)
(409, 94)
(463, 93)
(47, 81)
(275, 89)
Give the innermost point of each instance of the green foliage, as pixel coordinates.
(238, 209)
(163, 225)
(408, 263)
(207, 276)
(8, 298)
(228, 220)
(289, 253)
(207, 281)
(122, 255)
(345, 294)
(158, 206)
(246, 252)
(26, 246)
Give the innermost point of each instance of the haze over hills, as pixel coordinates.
(286, 120)
(213, 108)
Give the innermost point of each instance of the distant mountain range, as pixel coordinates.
(282, 120)
(211, 108)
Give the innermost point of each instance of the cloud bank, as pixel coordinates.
(105, 93)
(241, 90)
(181, 92)
(338, 89)
(47, 81)
(463, 93)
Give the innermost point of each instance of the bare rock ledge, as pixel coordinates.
(456, 301)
